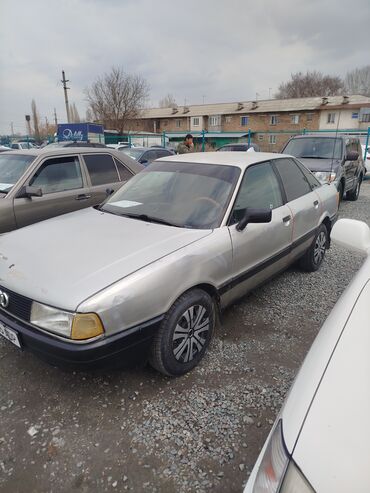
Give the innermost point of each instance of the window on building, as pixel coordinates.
(331, 118)
(294, 119)
(165, 123)
(272, 139)
(366, 118)
(178, 123)
(354, 115)
(214, 121)
(243, 121)
(260, 137)
(274, 120)
(228, 119)
(196, 122)
(309, 117)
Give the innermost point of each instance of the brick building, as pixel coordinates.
(270, 122)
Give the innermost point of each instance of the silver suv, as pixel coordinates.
(36, 185)
(331, 158)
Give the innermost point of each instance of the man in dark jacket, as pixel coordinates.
(186, 146)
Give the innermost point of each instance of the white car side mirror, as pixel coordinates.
(352, 234)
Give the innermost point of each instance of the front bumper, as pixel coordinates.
(123, 349)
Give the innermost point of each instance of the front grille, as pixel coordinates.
(19, 305)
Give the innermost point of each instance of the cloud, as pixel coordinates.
(222, 51)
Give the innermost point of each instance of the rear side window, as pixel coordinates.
(58, 175)
(309, 176)
(294, 181)
(259, 189)
(124, 173)
(101, 168)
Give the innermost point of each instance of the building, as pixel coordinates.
(269, 122)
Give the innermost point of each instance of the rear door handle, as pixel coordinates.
(286, 219)
(83, 196)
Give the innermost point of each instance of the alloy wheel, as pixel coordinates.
(320, 246)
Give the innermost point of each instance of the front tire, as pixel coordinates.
(184, 335)
(354, 194)
(314, 256)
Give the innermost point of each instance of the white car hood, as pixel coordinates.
(333, 449)
(64, 260)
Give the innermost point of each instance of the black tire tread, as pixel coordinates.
(306, 261)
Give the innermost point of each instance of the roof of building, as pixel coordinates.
(262, 106)
(241, 159)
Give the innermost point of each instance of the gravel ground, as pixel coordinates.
(138, 431)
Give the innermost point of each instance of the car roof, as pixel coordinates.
(322, 136)
(238, 158)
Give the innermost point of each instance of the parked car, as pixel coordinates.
(145, 155)
(23, 145)
(319, 442)
(239, 147)
(4, 148)
(39, 184)
(69, 143)
(145, 273)
(331, 158)
(367, 158)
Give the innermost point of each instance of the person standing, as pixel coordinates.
(186, 146)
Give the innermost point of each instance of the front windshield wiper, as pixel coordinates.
(150, 219)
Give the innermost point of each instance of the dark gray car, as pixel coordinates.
(332, 158)
(145, 155)
(36, 185)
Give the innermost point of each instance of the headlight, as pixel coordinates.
(325, 176)
(277, 472)
(77, 326)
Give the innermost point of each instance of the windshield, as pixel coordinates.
(315, 148)
(181, 194)
(132, 152)
(12, 167)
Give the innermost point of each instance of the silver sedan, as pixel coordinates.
(145, 274)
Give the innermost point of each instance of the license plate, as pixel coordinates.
(9, 334)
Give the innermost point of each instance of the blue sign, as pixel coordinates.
(78, 131)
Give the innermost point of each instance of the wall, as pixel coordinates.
(345, 120)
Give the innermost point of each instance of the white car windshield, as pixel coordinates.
(186, 195)
(12, 167)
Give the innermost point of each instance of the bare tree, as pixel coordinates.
(117, 97)
(357, 81)
(310, 84)
(35, 120)
(89, 117)
(73, 114)
(168, 101)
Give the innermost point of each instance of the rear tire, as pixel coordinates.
(354, 194)
(341, 192)
(184, 335)
(314, 256)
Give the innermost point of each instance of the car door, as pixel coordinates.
(103, 174)
(63, 190)
(260, 250)
(303, 202)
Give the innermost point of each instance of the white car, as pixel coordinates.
(320, 440)
(367, 159)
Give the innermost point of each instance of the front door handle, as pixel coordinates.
(286, 219)
(316, 204)
(83, 196)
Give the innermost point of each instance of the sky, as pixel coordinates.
(200, 51)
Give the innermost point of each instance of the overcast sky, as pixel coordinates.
(208, 50)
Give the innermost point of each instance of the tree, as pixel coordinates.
(36, 120)
(357, 81)
(168, 102)
(117, 97)
(73, 114)
(310, 84)
(89, 117)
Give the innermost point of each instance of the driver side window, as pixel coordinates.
(259, 190)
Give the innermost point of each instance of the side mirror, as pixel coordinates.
(27, 192)
(143, 161)
(352, 156)
(352, 234)
(254, 216)
(109, 191)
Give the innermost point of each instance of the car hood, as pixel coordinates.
(64, 260)
(336, 428)
(320, 164)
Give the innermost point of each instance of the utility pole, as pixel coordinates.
(28, 120)
(12, 128)
(55, 117)
(64, 82)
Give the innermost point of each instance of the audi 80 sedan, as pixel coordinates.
(39, 184)
(320, 440)
(145, 274)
